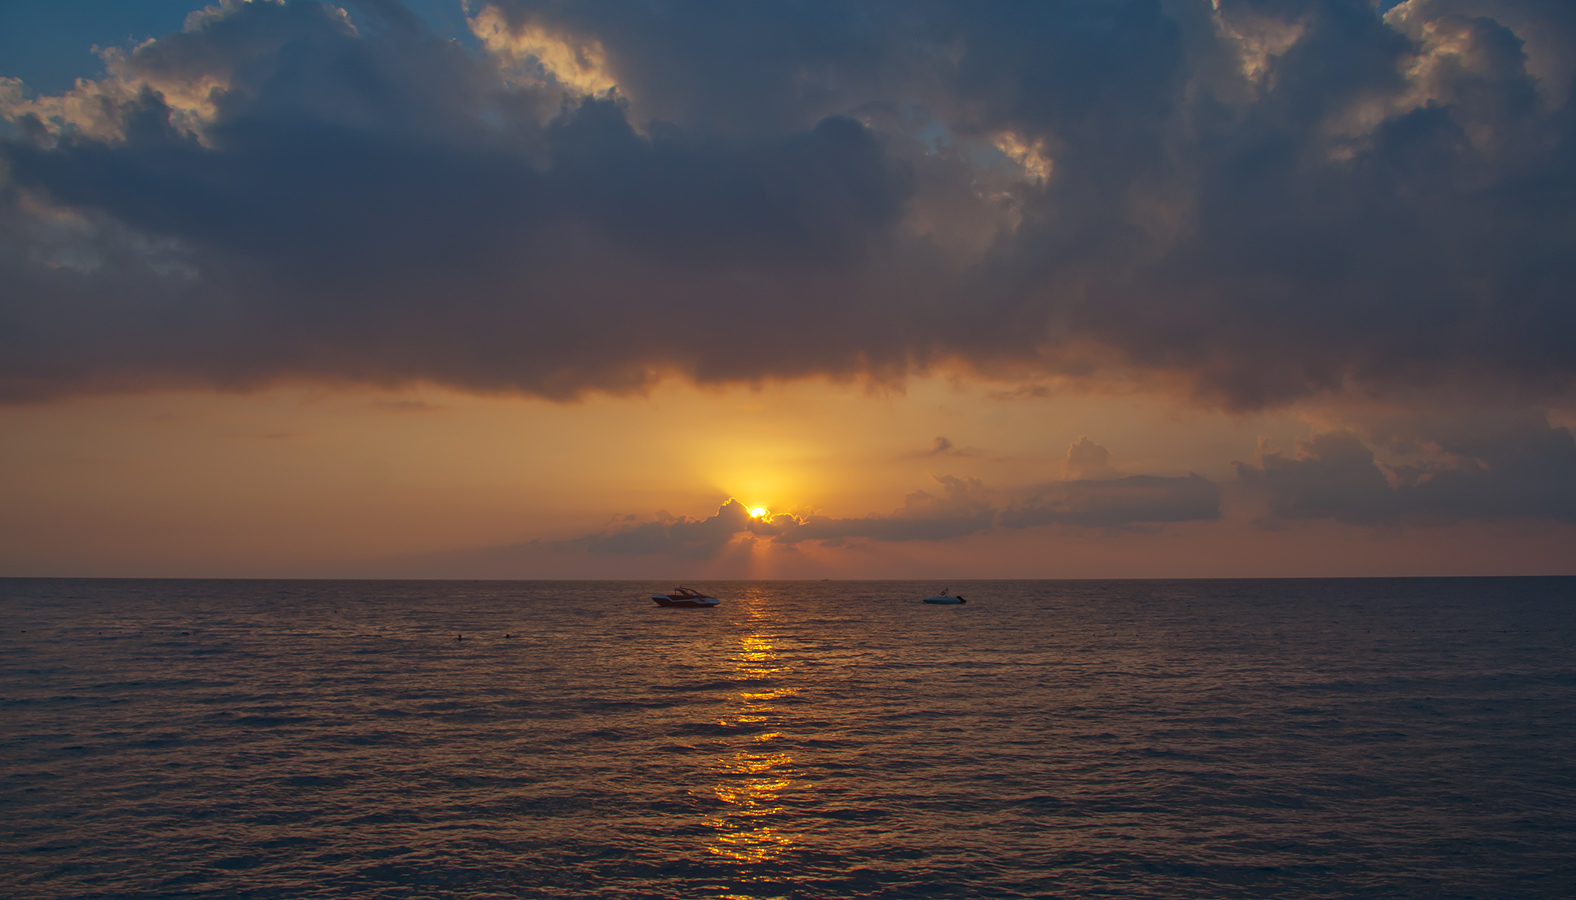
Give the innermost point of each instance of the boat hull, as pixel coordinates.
(663, 600)
(945, 601)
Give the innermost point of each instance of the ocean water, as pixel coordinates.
(1325, 738)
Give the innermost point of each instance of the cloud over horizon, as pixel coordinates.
(1255, 204)
(1419, 468)
(1511, 466)
(965, 506)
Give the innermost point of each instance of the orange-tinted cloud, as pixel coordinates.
(965, 506)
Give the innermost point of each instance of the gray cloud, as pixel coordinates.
(1332, 475)
(942, 446)
(1088, 461)
(1261, 203)
(676, 536)
(1117, 502)
(1513, 465)
(964, 507)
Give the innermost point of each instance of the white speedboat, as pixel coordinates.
(685, 597)
(946, 600)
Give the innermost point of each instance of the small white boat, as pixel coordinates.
(685, 597)
(946, 600)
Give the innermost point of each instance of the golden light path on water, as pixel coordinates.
(753, 779)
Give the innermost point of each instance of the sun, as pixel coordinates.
(757, 512)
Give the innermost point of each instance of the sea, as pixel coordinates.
(495, 739)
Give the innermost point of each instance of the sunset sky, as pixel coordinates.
(1091, 288)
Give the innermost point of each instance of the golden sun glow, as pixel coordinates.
(757, 512)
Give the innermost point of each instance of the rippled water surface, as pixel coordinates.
(1076, 739)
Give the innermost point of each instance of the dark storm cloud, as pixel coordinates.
(964, 507)
(1261, 203)
(1507, 466)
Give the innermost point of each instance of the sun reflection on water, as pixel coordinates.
(754, 779)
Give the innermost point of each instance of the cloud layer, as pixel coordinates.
(1402, 469)
(1258, 203)
(964, 507)
(1512, 466)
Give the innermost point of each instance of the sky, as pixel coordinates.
(683, 290)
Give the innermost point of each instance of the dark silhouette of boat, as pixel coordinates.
(685, 597)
